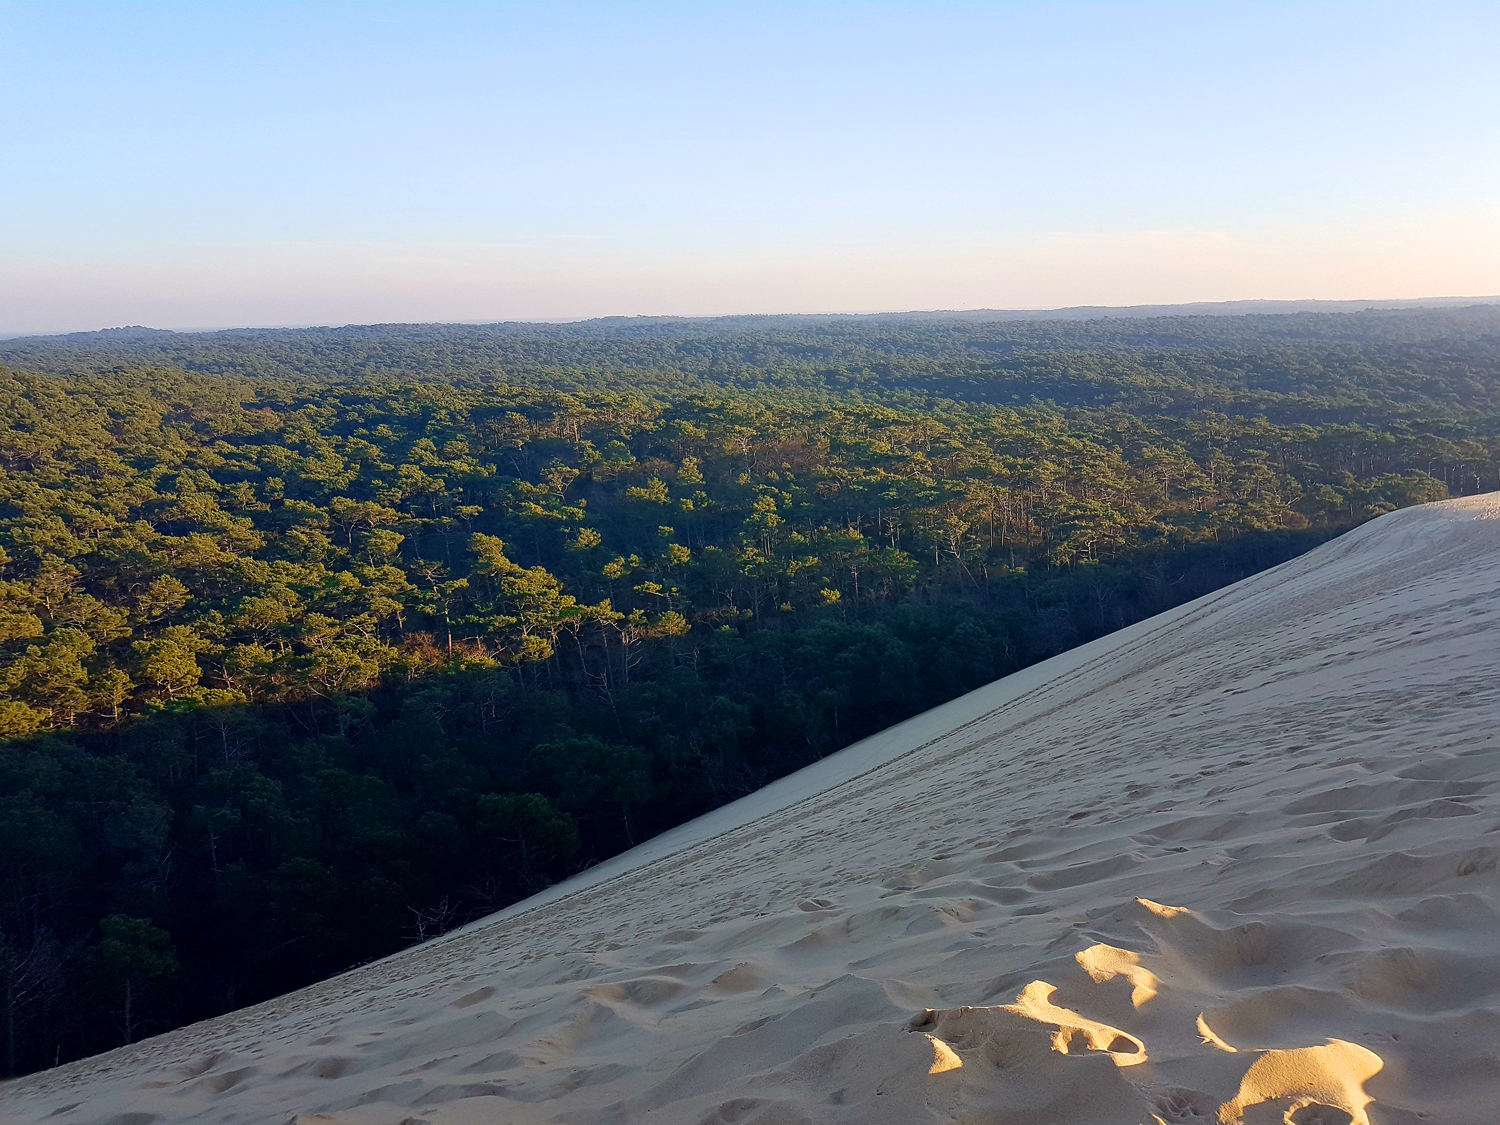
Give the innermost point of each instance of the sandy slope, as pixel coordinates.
(1236, 862)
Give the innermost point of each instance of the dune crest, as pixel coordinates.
(1332, 1075)
(944, 1058)
(1105, 963)
(1206, 1033)
(965, 919)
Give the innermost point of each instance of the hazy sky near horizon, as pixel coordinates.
(195, 165)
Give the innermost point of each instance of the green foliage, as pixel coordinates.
(131, 956)
(316, 643)
(540, 838)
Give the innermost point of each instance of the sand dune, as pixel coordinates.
(1237, 863)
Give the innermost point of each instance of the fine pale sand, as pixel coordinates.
(1235, 863)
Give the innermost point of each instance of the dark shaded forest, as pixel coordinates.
(316, 643)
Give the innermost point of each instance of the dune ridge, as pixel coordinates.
(1235, 864)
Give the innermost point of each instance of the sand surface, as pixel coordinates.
(1235, 863)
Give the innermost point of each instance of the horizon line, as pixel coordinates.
(1249, 306)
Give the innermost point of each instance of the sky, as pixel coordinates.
(212, 165)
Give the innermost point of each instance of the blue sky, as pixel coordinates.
(187, 165)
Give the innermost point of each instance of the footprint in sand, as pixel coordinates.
(1003, 1031)
(1104, 963)
(1332, 1076)
(1027, 1062)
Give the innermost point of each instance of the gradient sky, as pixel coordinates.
(193, 165)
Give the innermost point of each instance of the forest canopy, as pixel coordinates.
(315, 643)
